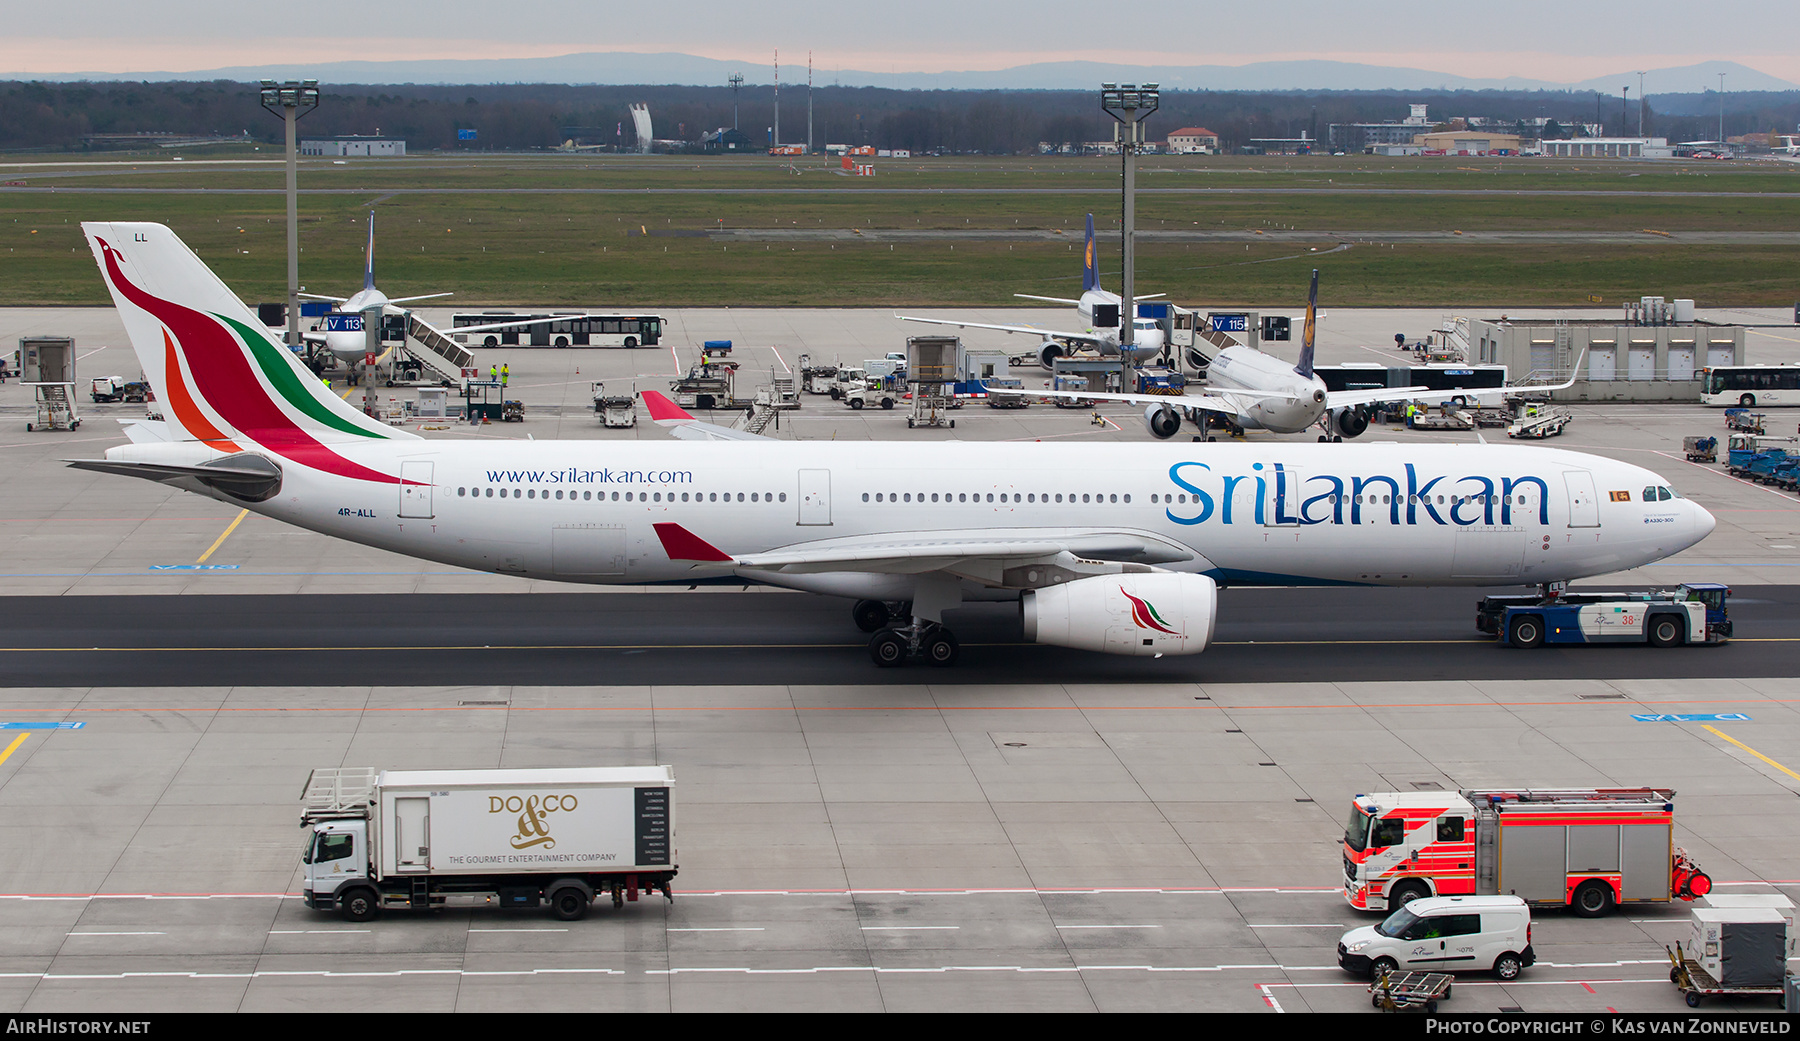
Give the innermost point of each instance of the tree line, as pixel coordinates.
(65, 116)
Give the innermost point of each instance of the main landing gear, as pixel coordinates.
(893, 645)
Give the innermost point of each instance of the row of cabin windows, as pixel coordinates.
(585, 496)
(1338, 500)
(976, 497)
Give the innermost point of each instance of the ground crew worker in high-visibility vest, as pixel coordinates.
(494, 373)
(505, 374)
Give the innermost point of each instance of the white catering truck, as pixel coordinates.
(515, 838)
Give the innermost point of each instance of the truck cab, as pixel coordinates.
(336, 852)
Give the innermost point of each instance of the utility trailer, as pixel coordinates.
(1694, 612)
(615, 410)
(421, 839)
(1539, 423)
(1588, 849)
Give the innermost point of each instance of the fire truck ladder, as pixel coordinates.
(1487, 848)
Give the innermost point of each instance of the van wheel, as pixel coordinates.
(568, 903)
(1593, 900)
(1665, 631)
(1506, 967)
(1405, 893)
(359, 905)
(1381, 967)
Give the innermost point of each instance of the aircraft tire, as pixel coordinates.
(941, 649)
(870, 615)
(888, 649)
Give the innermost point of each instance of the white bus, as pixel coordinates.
(1748, 386)
(591, 330)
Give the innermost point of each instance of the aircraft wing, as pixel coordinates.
(1340, 399)
(318, 296)
(665, 413)
(1032, 330)
(1231, 402)
(902, 553)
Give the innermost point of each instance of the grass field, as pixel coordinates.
(569, 230)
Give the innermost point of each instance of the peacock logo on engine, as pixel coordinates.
(1146, 615)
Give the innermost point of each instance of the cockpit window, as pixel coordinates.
(1664, 494)
(1650, 494)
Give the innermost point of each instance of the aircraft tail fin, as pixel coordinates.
(1305, 366)
(223, 378)
(369, 256)
(1090, 260)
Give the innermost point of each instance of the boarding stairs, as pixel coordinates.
(440, 353)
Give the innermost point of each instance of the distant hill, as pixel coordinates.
(623, 68)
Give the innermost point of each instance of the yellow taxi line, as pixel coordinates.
(220, 541)
(1722, 734)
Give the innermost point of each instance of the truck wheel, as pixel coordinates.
(1527, 631)
(856, 403)
(359, 905)
(1506, 967)
(887, 403)
(1666, 631)
(1405, 893)
(569, 903)
(1592, 900)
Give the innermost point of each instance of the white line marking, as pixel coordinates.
(534, 930)
(310, 932)
(722, 929)
(1296, 925)
(904, 928)
(118, 934)
(1109, 927)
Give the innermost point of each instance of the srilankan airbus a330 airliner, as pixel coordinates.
(1104, 550)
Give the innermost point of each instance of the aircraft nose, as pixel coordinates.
(1703, 520)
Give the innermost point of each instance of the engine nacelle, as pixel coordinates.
(1163, 421)
(1141, 615)
(1197, 360)
(1350, 422)
(1049, 351)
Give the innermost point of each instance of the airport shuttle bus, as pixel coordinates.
(1447, 378)
(1750, 386)
(1109, 548)
(593, 330)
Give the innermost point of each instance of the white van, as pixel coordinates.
(1444, 934)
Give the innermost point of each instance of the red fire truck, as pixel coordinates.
(1588, 849)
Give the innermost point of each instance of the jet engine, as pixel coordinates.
(1049, 351)
(1350, 422)
(1143, 615)
(1163, 421)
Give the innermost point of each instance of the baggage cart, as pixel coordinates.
(1745, 420)
(1402, 991)
(1701, 449)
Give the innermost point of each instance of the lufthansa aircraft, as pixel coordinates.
(1103, 338)
(1105, 551)
(343, 333)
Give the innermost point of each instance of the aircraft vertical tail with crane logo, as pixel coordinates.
(1305, 366)
(369, 257)
(1090, 260)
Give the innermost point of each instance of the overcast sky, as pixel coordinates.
(1555, 40)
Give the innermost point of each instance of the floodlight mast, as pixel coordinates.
(290, 101)
(1129, 105)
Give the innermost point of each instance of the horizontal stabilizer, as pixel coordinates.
(665, 413)
(244, 476)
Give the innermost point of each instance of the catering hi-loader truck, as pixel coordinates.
(512, 838)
